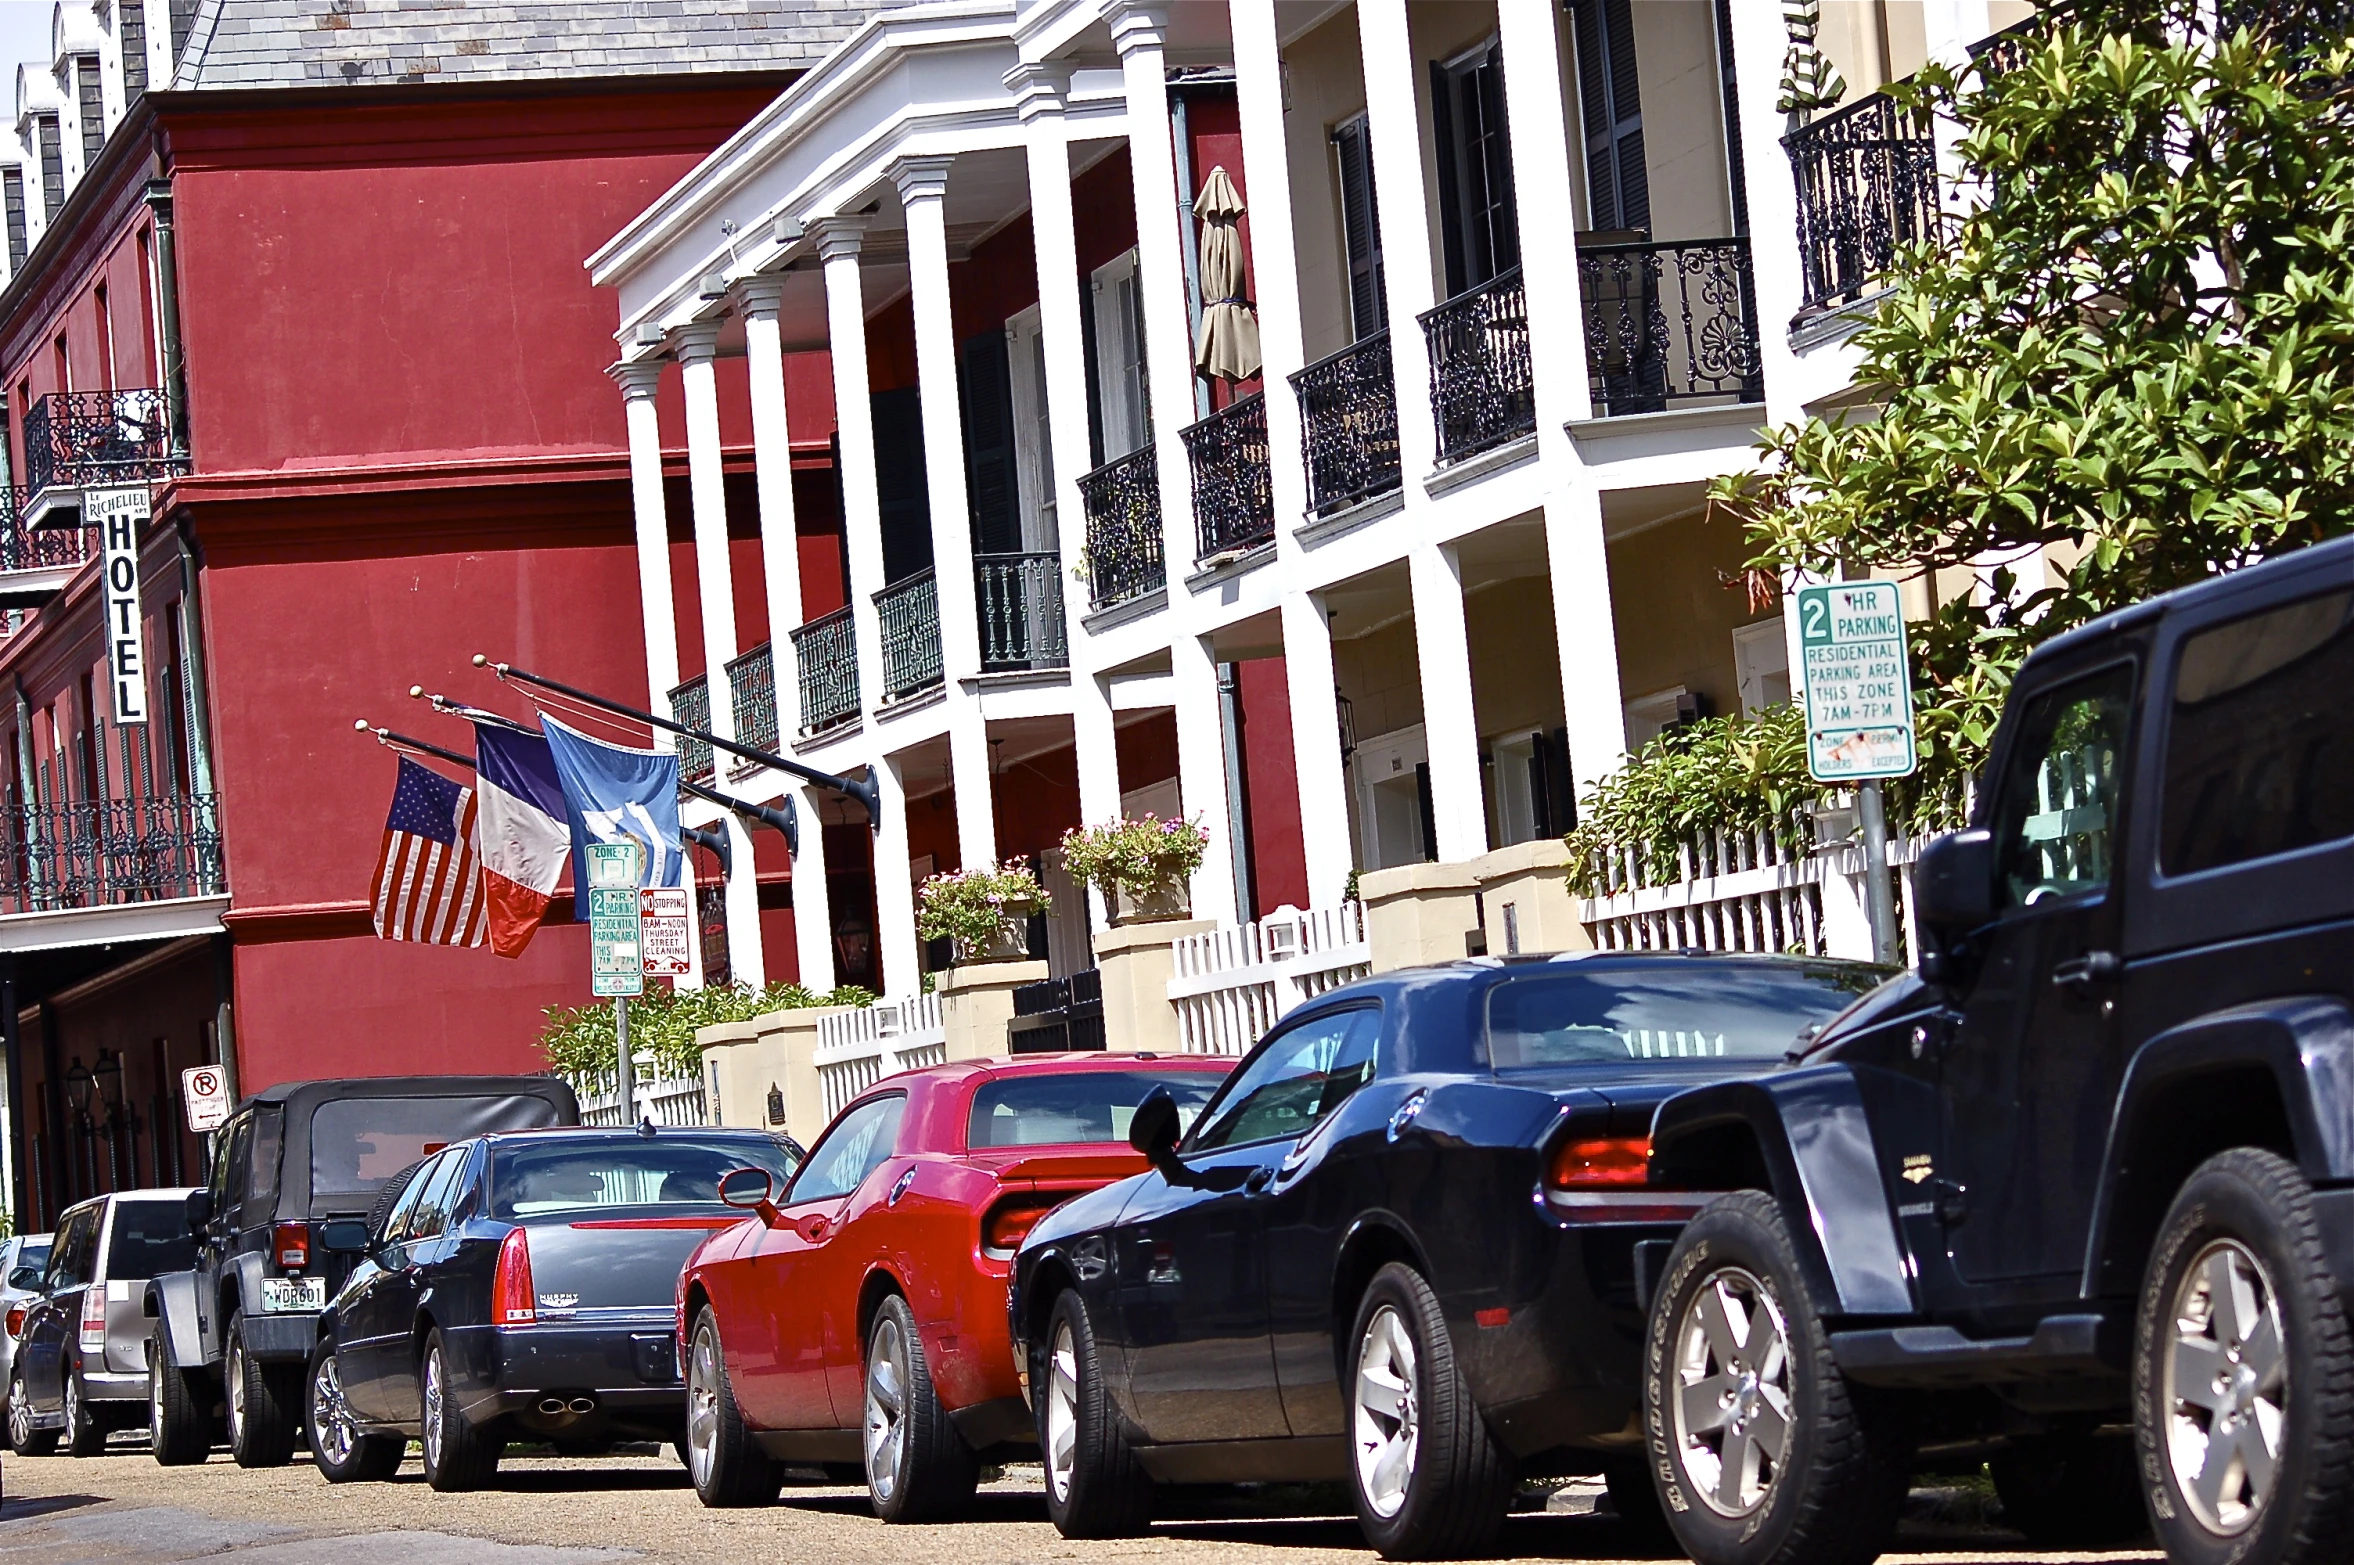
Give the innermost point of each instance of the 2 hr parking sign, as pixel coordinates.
(1856, 681)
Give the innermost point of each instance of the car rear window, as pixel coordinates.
(578, 1176)
(1077, 1106)
(150, 1238)
(358, 1143)
(1678, 1012)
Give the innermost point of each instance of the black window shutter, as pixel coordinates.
(1618, 183)
(899, 482)
(1091, 354)
(1444, 110)
(1503, 206)
(1430, 813)
(92, 105)
(985, 384)
(1361, 230)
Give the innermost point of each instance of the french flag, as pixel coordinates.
(526, 847)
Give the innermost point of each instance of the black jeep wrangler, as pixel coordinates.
(2077, 1199)
(296, 1174)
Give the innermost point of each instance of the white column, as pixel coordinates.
(638, 379)
(923, 195)
(813, 917)
(697, 347)
(1586, 632)
(894, 892)
(1039, 89)
(1307, 636)
(1407, 269)
(1201, 774)
(1443, 650)
(838, 242)
(1535, 94)
(747, 958)
(758, 301)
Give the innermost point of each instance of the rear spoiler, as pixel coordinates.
(1052, 1167)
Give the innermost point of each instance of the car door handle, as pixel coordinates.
(2088, 972)
(1261, 1178)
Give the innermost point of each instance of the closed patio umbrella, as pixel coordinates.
(1229, 347)
(1810, 82)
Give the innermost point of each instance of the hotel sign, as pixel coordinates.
(121, 516)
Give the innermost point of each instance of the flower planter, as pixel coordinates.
(1008, 942)
(1157, 903)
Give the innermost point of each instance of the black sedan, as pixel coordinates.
(1397, 1246)
(521, 1286)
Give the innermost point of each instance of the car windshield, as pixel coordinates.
(150, 1238)
(573, 1175)
(1753, 1011)
(1067, 1107)
(358, 1143)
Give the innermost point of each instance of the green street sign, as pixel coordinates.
(1856, 682)
(614, 933)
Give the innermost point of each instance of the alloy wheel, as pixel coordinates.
(886, 1406)
(1062, 1410)
(236, 1377)
(2226, 1387)
(703, 1407)
(432, 1411)
(73, 1404)
(20, 1415)
(155, 1396)
(1732, 1393)
(1388, 1418)
(330, 1414)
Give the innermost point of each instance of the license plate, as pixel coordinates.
(294, 1293)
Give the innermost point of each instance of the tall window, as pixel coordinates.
(134, 15)
(52, 166)
(105, 338)
(1360, 222)
(1479, 222)
(1618, 184)
(90, 96)
(985, 393)
(1123, 414)
(12, 191)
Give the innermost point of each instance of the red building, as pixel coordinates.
(323, 295)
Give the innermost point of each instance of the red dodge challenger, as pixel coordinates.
(857, 1319)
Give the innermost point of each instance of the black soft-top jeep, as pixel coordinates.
(2078, 1198)
(297, 1172)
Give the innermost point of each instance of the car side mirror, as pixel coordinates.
(25, 1279)
(1953, 884)
(200, 1211)
(751, 1190)
(344, 1236)
(1152, 1129)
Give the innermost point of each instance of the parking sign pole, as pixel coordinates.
(625, 1076)
(1876, 899)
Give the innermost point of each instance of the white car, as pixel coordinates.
(21, 1261)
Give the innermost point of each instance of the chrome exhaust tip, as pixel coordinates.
(584, 1405)
(551, 1407)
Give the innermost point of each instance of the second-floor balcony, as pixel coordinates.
(1019, 598)
(690, 707)
(77, 440)
(909, 615)
(1349, 425)
(1483, 386)
(1867, 187)
(1669, 325)
(36, 562)
(751, 682)
(825, 656)
(110, 852)
(1233, 494)
(1123, 500)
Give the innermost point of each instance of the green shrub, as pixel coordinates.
(578, 1040)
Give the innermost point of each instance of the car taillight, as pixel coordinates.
(94, 1318)
(513, 1302)
(1009, 1222)
(291, 1244)
(16, 1322)
(1600, 1162)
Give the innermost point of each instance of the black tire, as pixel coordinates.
(1429, 1480)
(23, 1438)
(341, 1452)
(458, 1455)
(179, 1424)
(2072, 1491)
(2245, 1217)
(85, 1431)
(265, 1403)
(727, 1465)
(918, 1468)
(1819, 1467)
(1095, 1487)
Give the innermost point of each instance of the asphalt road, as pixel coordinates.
(60, 1510)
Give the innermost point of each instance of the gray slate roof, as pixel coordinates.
(334, 43)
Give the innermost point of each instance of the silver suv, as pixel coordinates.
(81, 1362)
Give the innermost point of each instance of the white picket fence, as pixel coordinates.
(1749, 891)
(1230, 985)
(667, 1100)
(858, 1048)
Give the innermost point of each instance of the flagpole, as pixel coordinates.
(385, 736)
(863, 789)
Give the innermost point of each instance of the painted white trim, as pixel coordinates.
(165, 920)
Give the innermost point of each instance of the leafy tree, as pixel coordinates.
(2132, 357)
(578, 1040)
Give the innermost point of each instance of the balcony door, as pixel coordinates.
(1123, 415)
(1025, 353)
(1360, 222)
(1479, 220)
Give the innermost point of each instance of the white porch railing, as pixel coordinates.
(858, 1048)
(666, 1100)
(1750, 891)
(1231, 984)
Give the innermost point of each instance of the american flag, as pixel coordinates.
(429, 879)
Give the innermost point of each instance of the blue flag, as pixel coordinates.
(614, 794)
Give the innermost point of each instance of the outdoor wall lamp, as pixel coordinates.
(108, 1076)
(77, 1086)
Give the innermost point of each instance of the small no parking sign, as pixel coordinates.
(205, 1089)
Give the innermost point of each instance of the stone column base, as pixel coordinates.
(976, 1002)
(1136, 963)
(1525, 900)
(753, 1056)
(1417, 914)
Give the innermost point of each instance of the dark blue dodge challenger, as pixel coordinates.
(1397, 1246)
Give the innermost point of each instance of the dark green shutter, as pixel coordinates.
(985, 385)
(1361, 229)
(900, 483)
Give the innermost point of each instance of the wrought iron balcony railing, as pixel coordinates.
(1670, 323)
(1233, 496)
(1349, 424)
(1483, 389)
(1123, 500)
(1020, 597)
(43, 549)
(910, 614)
(82, 439)
(751, 683)
(1867, 187)
(825, 651)
(111, 852)
(690, 704)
